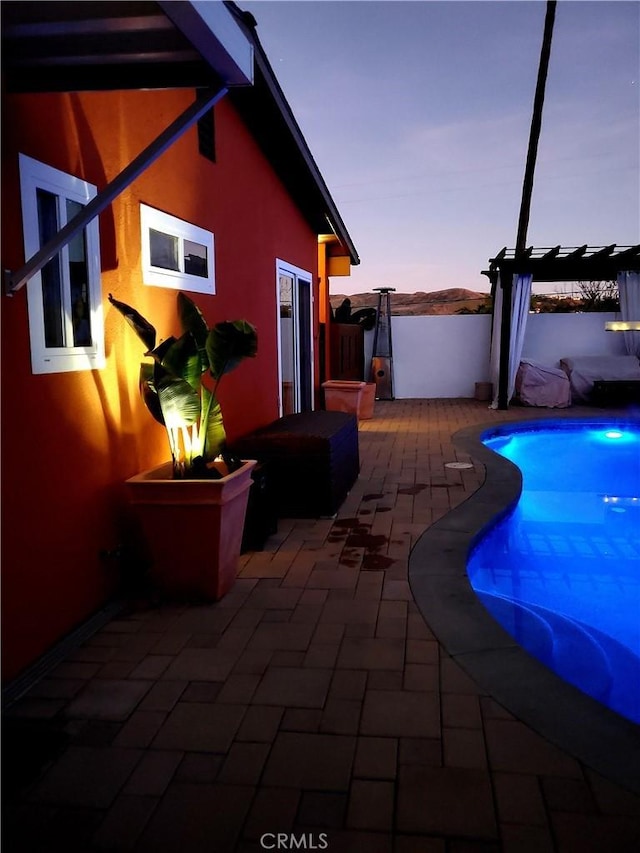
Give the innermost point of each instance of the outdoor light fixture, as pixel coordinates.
(622, 326)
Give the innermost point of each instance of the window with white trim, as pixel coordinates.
(64, 299)
(176, 253)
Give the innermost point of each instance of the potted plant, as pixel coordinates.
(192, 509)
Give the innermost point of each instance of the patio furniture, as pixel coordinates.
(313, 460)
(540, 385)
(585, 371)
(615, 392)
(261, 520)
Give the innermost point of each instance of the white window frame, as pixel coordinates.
(151, 218)
(35, 175)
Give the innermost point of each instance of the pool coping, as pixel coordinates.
(568, 718)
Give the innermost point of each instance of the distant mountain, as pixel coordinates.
(450, 301)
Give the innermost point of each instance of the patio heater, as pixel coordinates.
(382, 356)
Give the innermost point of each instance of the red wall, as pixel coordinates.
(70, 440)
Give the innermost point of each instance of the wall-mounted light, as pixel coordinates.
(622, 326)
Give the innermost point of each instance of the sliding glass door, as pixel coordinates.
(295, 338)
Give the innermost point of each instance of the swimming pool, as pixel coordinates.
(561, 572)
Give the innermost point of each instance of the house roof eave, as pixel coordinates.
(84, 46)
(266, 111)
(88, 46)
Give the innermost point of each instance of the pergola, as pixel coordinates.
(583, 263)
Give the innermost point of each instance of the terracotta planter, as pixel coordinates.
(483, 391)
(356, 398)
(367, 401)
(193, 529)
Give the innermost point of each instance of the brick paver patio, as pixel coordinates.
(312, 701)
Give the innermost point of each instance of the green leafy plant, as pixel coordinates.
(179, 386)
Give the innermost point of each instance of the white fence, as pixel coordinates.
(444, 356)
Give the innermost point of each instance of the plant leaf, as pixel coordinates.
(212, 433)
(228, 344)
(192, 320)
(158, 353)
(183, 360)
(148, 391)
(145, 331)
(179, 402)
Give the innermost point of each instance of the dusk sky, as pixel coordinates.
(418, 116)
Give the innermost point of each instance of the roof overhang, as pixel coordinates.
(265, 110)
(93, 46)
(106, 45)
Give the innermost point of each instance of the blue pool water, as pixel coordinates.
(561, 572)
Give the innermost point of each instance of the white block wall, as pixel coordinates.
(550, 337)
(444, 356)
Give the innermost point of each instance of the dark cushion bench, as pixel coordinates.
(615, 392)
(313, 460)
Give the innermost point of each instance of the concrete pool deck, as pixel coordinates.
(314, 700)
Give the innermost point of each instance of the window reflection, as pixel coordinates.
(51, 274)
(287, 344)
(79, 283)
(164, 250)
(195, 259)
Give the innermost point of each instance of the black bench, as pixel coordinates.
(615, 392)
(261, 518)
(312, 459)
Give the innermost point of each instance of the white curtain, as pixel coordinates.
(494, 361)
(520, 303)
(629, 293)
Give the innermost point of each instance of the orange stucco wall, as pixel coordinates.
(70, 440)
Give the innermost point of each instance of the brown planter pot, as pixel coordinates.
(367, 402)
(193, 529)
(484, 391)
(356, 398)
